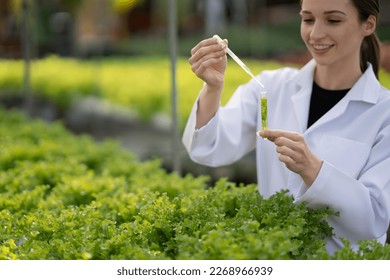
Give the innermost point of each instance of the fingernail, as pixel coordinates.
(261, 134)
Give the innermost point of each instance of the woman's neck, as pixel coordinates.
(336, 79)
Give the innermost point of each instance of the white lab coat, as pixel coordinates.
(352, 139)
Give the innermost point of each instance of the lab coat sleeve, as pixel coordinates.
(363, 203)
(229, 135)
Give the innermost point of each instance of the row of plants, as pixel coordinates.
(68, 197)
(141, 84)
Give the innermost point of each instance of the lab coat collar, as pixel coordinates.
(304, 78)
(365, 89)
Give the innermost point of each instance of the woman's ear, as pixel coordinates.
(370, 25)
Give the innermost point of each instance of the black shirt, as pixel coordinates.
(322, 100)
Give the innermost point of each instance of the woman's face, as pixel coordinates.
(332, 31)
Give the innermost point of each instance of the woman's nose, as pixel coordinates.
(317, 31)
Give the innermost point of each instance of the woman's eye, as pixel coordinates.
(308, 20)
(334, 21)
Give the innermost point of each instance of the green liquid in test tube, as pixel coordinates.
(263, 94)
(263, 109)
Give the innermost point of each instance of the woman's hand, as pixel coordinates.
(294, 153)
(208, 61)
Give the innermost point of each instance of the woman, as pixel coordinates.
(329, 135)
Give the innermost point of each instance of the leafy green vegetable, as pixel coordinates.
(67, 197)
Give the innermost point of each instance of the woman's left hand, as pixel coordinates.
(294, 153)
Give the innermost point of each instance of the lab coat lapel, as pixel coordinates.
(365, 90)
(332, 114)
(301, 102)
(301, 99)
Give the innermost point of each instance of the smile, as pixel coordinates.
(321, 47)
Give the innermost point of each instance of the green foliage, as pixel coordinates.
(140, 84)
(384, 78)
(67, 197)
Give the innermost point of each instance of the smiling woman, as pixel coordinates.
(333, 96)
(337, 37)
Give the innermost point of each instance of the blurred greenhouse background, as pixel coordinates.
(113, 68)
(86, 28)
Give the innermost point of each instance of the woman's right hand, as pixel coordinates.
(208, 61)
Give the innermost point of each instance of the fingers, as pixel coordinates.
(289, 151)
(272, 135)
(210, 42)
(204, 43)
(294, 153)
(206, 50)
(208, 61)
(290, 146)
(205, 62)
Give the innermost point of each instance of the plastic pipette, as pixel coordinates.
(263, 94)
(239, 62)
